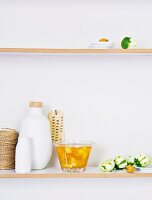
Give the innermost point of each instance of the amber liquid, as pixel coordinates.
(73, 158)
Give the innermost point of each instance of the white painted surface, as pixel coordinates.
(105, 98)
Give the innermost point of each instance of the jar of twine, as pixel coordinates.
(8, 141)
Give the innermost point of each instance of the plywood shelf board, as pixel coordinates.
(74, 51)
(91, 172)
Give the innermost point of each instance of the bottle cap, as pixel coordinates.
(35, 104)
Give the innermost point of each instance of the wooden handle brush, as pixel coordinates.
(56, 119)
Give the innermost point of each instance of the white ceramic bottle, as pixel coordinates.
(23, 156)
(36, 126)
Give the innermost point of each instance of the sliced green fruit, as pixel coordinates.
(120, 162)
(107, 166)
(141, 160)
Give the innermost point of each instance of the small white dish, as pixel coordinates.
(102, 45)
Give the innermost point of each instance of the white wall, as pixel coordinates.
(105, 98)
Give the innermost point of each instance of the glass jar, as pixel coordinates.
(73, 156)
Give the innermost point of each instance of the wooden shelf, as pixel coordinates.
(75, 51)
(58, 173)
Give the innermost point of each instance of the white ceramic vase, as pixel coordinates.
(23, 156)
(36, 126)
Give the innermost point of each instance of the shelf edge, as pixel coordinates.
(75, 51)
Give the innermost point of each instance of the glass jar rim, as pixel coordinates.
(74, 143)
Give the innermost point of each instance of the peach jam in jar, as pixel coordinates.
(73, 156)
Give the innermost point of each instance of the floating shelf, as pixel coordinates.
(91, 172)
(75, 51)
